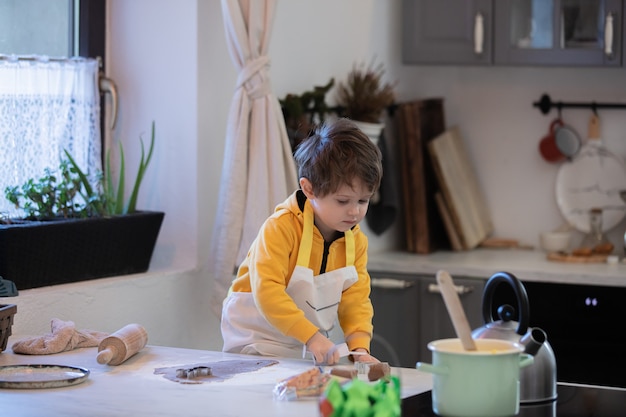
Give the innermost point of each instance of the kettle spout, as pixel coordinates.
(533, 340)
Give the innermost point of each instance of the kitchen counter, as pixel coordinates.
(132, 388)
(527, 265)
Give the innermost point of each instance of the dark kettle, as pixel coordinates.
(537, 381)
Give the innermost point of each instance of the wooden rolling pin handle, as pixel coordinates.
(122, 344)
(105, 356)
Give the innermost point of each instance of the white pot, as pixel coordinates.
(372, 130)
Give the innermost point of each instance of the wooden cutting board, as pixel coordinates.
(460, 188)
(418, 122)
(568, 257)
(455, 239)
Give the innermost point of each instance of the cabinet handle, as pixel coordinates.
(390, 283)
(478, 34)
(608, 35)
(460, 289)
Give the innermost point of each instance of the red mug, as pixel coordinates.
(548, 147)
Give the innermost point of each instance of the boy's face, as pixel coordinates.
(338, 211)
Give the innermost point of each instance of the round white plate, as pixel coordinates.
(593, 179)
(41, 376)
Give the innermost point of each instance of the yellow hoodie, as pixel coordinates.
(270, 263)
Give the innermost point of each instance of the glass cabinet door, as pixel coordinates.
(558, 32)
(531, 24)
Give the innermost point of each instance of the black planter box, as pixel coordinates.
(37, 254)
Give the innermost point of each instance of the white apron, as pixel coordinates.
(245, 330)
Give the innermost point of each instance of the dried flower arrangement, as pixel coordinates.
(363, 96)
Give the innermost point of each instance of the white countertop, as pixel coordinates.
(132, 388)
(530, 265)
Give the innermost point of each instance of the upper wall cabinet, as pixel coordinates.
(513, 32)
(558, 32)
(447, 32)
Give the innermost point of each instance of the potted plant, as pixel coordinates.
(302, 112)
(76, 227)
(364, 97)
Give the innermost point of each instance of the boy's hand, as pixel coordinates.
(322, 349)
(363, 358)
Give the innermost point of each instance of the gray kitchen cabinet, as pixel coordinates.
(396, 316)
(445, 32)
(409, 312)
(558, 32)
(434, 320)
(513, 32)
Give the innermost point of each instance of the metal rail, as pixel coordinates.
(545, 104)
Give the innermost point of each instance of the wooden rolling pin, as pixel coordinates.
(122, 344)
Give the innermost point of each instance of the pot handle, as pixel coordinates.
(523, 309)
(526, 359)
(432, 369)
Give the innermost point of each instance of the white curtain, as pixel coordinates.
(46, 106)
(259, 170)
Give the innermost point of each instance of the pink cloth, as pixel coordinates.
(64, 337)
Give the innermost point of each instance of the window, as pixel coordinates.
(57, 29)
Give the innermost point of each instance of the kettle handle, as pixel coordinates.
(520, 293)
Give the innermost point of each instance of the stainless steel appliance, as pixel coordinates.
(537, 381)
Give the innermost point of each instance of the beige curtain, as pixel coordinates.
(259, 170)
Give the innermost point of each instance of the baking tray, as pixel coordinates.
(41, 376)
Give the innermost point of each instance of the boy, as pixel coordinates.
(307, 266)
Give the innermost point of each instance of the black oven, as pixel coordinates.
(573, 400)
(585, 327)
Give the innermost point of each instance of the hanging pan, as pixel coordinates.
(567, 141)
(562, 142)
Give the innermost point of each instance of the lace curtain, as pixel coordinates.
(46, 106)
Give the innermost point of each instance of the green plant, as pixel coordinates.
(57, 195)
(302, 111)
(51, 195)
(308, 106)
(112, 198)
(363, 96)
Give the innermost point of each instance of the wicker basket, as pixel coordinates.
(7, 311)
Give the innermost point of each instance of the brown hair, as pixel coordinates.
(337, 153)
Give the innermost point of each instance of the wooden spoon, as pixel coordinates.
(455, 310)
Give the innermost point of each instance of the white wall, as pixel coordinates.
(492, 105)
(171, 64)
(155, 53)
